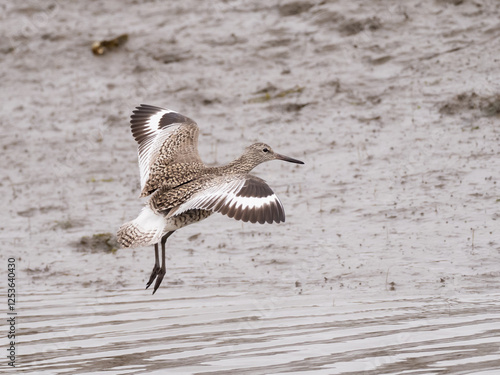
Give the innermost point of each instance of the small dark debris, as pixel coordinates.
(100, 242)
(294, 90)
(368, 119)
(295, 8)
(30, 212)
(210, 101)
(139, 68)
(293, 107)
(231, 40)
(265, 94)
(491, 107)
(380, 60)
(269, 88)
(101, 47)
(172, 57)
(392, 286)
(38, 270)
(176, 282)
(52, 37)
(452, 2)
(351, 27)
(282, 42)
(486, 106)
(354, 27)
(66, 224)
(194, 237)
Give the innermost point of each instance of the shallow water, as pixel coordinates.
(204, 333)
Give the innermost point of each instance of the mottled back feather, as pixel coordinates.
(168, 147)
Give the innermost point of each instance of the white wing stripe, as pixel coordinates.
(225, 196)
(250, 202)
(154, 121)
(208, 198)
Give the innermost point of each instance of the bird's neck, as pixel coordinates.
(242, 165)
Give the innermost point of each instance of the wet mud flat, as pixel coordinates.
(394, 109)
(226, 333)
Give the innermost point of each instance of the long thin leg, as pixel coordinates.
(156, 268)
(163, 269)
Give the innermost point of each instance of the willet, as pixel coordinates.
(184, 190)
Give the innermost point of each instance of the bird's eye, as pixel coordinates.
(265, 150)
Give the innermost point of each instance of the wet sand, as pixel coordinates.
(393, 108)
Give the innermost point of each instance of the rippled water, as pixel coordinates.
(203, 333)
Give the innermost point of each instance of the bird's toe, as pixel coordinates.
(159, 279)
(154, 273)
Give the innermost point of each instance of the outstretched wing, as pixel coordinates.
(165, 138)
(242, 197)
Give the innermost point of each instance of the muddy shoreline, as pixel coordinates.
(394, 109)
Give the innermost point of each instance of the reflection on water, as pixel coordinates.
(134, 333)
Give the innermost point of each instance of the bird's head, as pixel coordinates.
(261, 152)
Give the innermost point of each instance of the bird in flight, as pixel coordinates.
(183, 190)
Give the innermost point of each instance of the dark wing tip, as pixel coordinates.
(255, 187)
(145, 110)
(174, 118)
(267, 208)
(149, 107)
(140, 121)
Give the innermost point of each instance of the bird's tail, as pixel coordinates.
(146, 229)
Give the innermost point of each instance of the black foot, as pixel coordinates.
(159, 279)
(154, 273)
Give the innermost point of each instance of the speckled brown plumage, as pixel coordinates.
(177, 161)
(166, 176)
(182, 190)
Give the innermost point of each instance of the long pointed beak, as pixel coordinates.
(286, 158)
